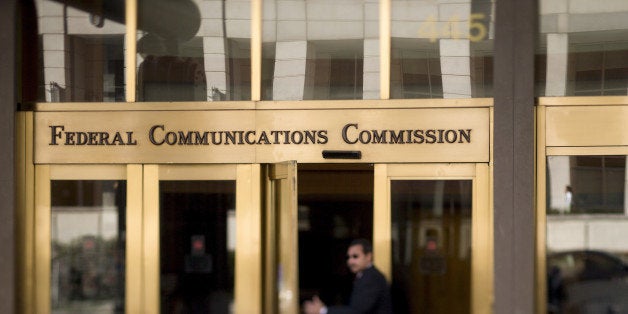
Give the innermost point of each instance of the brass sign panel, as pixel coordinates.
(263, 136)
(587, 126)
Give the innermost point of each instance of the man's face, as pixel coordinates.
(357, 260)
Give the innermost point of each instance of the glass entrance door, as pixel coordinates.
(225, 238)
(84, 260)
(202, 235)
(432, 236)
(431, 252)
(281, 271)
(145, 239)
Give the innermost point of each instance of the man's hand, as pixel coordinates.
(314, 306)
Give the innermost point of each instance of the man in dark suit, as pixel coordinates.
(370, 294)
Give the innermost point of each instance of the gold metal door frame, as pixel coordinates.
(481, 217)
(142, 273)
(247, 291)
(281, 261)
(41, 228)
(603, 108)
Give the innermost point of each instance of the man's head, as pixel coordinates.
(359, 255)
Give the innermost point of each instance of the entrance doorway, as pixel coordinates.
(335, 207)
(199, 238)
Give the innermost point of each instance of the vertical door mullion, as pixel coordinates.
(481, 242)
(382, 221)
(248, 262)
(384, 48)
(42, 239)
(150, 241)
(133, 280)
(131, 49)
(256, 49)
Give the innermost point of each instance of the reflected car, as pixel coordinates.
(586, 281)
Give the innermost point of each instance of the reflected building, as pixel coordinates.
(510, 230)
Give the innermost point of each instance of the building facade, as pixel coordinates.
(218, 156)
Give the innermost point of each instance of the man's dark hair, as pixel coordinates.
(366, 245)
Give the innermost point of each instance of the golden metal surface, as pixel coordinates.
(429, 171)
(482, 220)
(87, 172)
(583, 101)
(248, 256)
(256, 49)
(382, 221)
(133, 281)
(136, 128)
(44, 174)
(281, 269)
(267, 105)
(481, 242)
(384, 48)
(24, 214)
(130, 51)
(587, 126)
(378, 104)
(197, 172)
(42, 240)
(269, 275)
(541, 218)
(490, 293)
(283, 177)
(143, 106)
(568, 126)
(586, 151)
(248, 260)
(150, 245)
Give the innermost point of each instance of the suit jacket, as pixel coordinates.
(370, 295)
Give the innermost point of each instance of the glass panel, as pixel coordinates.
(194, 50)
(320, 50)
(442, 50)
(431, 246)
(582, 49)
(81, 51)
(335, 207)
(587, 224)
(88, 223)
(197, 223)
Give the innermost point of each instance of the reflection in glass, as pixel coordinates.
(582, 49)
(194, 50)
(197, 245)
(81, 51)
(441, 50)
(320, 50)
(431, 246)
(587, 224)
(88, 246)
(415, 73)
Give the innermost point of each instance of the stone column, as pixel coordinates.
(370, 79)
(52, 29)
(455, 53)
(214, 49)
(290, 70)
(557, 56)
(371, 74)
(455, 67)
(291, 52)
